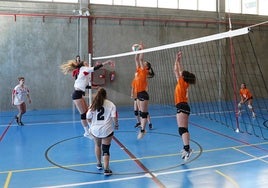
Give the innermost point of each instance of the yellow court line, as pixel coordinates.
(87, 164)
(140, 158)
(8, 180)
(228, 178)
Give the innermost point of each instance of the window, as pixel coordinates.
(147, 3)
(125, 2)
(259, 7)
(66, 1)
(233, 6)
(207, 5)
(172, 4)
(263, 7)
(61, 1)
(105, 2)
(249, 7)
(188, 4)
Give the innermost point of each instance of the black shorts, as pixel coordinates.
(143, 96)
(110, 135)
(106, 136)
(248, 99)
(78, 94)
(183, 107)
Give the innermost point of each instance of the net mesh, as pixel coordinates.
(221, 63)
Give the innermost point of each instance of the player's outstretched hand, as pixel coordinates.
(179, 54)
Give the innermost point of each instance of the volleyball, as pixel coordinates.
(135, 47)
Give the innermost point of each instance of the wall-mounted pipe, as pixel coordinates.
(15, 15)
(120, 19)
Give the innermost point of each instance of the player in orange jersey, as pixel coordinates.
(144, 71)
(135, 105)
(246, 96)
(184, 79)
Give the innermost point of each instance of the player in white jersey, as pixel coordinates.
(103, 117)
(19, 96)
(81, 71)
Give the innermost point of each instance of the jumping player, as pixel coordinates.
(80, 85)
(184, 79)
(135, 105)
(144, 71)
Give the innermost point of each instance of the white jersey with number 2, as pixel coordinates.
(101, 120)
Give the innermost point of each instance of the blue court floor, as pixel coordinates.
(50, 151)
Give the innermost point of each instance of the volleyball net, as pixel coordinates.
(221, 63)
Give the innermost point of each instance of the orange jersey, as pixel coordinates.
(245, 93)
(141, 80)
(133, 85)
(181, 90)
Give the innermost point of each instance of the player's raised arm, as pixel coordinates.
(177, 65)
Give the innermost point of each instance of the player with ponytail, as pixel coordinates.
(184, 79)
(82, 72)
(104, 119)
(143, 71)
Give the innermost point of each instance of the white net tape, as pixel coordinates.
(214, 37)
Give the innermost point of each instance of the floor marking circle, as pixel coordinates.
(130, 173)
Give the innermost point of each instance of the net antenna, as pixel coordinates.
(229, 16)
(203, 56)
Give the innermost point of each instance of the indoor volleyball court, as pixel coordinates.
(230, 149)
(51, 148)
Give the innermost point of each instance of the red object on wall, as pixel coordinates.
(98, 77)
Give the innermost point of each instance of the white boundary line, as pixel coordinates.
(158, 174)
(95, 182)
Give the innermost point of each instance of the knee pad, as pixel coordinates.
(105, 149)
(183, 130)
(136, 112)
(84, 116)
(239, 105)
(250, 107)
(144, 115)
